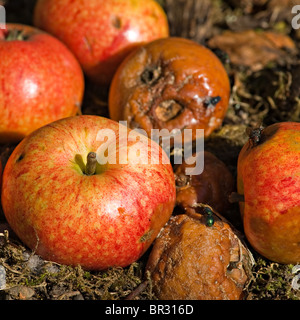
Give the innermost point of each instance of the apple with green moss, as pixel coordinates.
(102, 32)
(269, 180)
(41, 81)
(78, 193)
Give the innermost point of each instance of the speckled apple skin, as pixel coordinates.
(102, 32)
(99, 221)
(269, 178)
(41, 81)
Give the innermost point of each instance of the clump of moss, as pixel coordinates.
(30, 277)
(272, 281)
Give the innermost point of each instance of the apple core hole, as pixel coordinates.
(150, 75)
(116, 22)
(168, 110)
(21, 157)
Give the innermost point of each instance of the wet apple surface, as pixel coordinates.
(171, 83)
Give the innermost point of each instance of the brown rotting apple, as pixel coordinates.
(191, 260)
(213, 186)
(171, 83)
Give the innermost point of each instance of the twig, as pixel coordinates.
(68, 295)
(139, 289)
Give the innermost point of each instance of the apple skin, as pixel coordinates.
(169, 84)
(102, 32)
(41, 82)
(99, 221)
(269, 178)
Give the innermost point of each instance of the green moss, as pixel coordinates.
(272, 281)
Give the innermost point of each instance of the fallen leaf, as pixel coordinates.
(253, 49)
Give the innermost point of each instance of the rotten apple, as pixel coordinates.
(74, 192)
(171, 83)
(213, 186)
(41, 81)
(193, 261)
(102, 32)
(269, 180)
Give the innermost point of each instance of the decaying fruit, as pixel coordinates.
(269, 179)
(191, 260)
(213, 186)
(171, 83)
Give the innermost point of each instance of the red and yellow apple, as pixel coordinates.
(102, 32)
(269, 179)
(41, 81)
(72, 213)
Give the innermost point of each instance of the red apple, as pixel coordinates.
(102, 32)
(108, 218)
(269, 179)
(41, 81)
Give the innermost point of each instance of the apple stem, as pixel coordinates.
(91, 164)
(236, 197)
(15, 35)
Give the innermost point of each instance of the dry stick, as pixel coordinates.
(139, 289)
(68, 295)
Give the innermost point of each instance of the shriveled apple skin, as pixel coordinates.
(213, 186)
(171, 83)
(269, 178)
(108, 219)
(191, 261)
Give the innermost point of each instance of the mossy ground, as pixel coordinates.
(258, 97)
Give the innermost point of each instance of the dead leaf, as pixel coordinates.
(254, 49)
